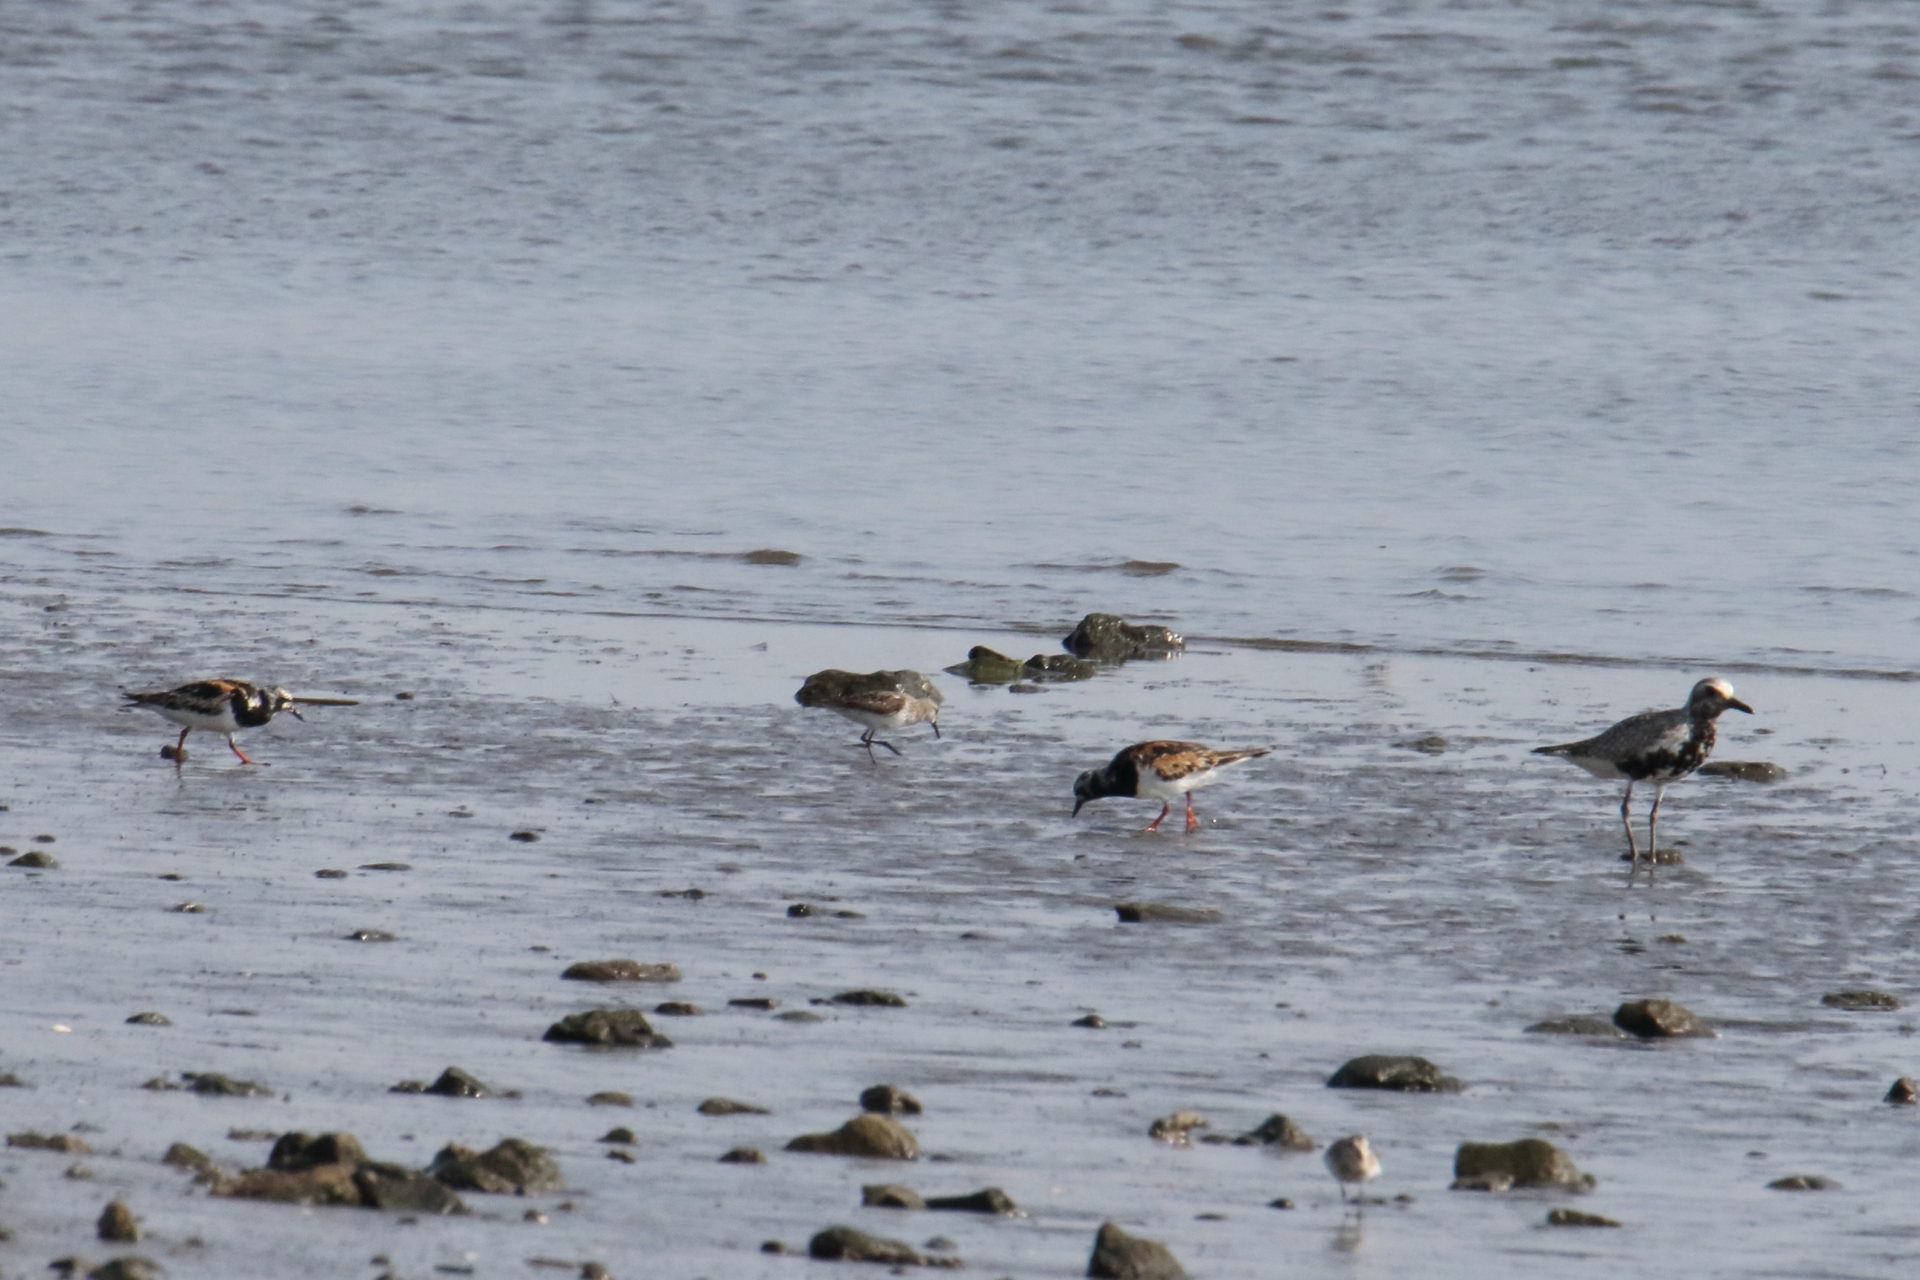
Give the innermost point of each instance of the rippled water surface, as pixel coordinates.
(1495, 370)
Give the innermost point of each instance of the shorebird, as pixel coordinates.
(223, 706)
(1351, 1160)
(1655, 746)
(1162, 771)
(878, 700)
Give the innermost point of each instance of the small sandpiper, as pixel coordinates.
(1655, 746)
(879, 700)
(223, 706)
(1162, 771)
(1351, 1161)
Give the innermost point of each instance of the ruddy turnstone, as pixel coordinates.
(1351, 1160)
(1655, 746)
(1162, 771)
(879, 700)
(223, 706)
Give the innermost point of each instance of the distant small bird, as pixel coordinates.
(1351, 1160)
(1161, 771)
(879, 700)
(1655, 746)
(223, 706)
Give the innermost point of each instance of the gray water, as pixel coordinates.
(1548, 356)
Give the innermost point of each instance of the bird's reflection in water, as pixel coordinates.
(1351, 1235)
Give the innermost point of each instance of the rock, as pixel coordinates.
(386, 866)
(1281, 1203)
(401, 1190)
(1804, 1182)
(1431, 745)
(729, 1107)
(1577, 1026)
(409, 1086)
(524, 837)
(844, 1244)
(1655, 1019)
(622, 1136)
(1276, 1131)
(985, 1200)
(772, 1246)
(678, 1009)
(79, 1172)
(770, 555)
(799, 1015)
(1105, 637)
(889, 1099)
(1575, 1218)
(455, 1083)
(1905, 1092)
(322, 1184)
(1494, 1182)
(8, 1080)
(867, 1134)
(160, 1084)
(1058, 666)
(621, 971)
(130, 1267)
(213, 1084)
(372, 935)
(984, 666)
(182, 1156)
(766, 1004)
(1860, 1000)
(149, 1020)
(610, 1098)
(869, 997)
(512, 1167)
(607, 1027)
(743, 1155)
(1390, 1071)
(1744, 770)
(35, 858)
(297, 1152)
(891, 1195)
(1167, 913)
(330, 873)
(1093, 1020)
(1530, 1162)
(1119, 1256)
(189, 908)
(1177, 1128)
(117, 1224)
(48, 1142)
(800, 910)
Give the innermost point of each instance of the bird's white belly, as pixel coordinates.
(875, 721)
(221, 723)
(1154, 787)
(1597, 767)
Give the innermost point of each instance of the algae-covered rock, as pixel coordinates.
(1860, 1001)
(620, 971)
(322, 1184)
(1277, 1131)
(891, 1195)
(398, 1189)
(182, 1156)
(986, 1200)
(845, 1244)
(889, 1099)
(1657, 1019)
(1530, 1162)
(1402, 1073)
(1177, 1128)
(729, 1107)
(1119, 1256)
(622, 1027)
(1803, 1182)
(984, 666)
(295, 1152)
(1577, 1026)
(1575, 1218)
(1166, 913)
(1905, 1092)
(65, 1142)
(217, 1085)
(117, 1224)
(871, 998)
(868, 1134)
(1106, 637)
(455, 1083)
(511, 1167)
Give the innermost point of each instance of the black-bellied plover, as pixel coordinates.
(223, 706)
(1655, 746)
(1351, 1160)
(1162, 771)
(879, 700)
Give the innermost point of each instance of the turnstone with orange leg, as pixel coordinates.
(1660, 747)
(1162, 771)
(879, 700)
(223, 706)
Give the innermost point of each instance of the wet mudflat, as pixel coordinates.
(1372, 898)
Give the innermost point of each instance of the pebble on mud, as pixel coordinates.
(1803, 1182)
(610, 1098)
(986, 1200)
(889, 1099)
(330, 873)
(48, 1142)
(1431, 745)
(867, 1134)
(512, 1167)
(8, 1080)
(372, 935)
(626, 1027)
(730, 1107)
(1166, 913)
(298, 1152)
(1905, 1092)
(799, 1015)
(845, 1244)
(1530, 1162)
(524, 837)
(1744, 770)
(1277, 1131)
(455, 1083)
(622, 1136)
(678, 1009)
(130, 1267)
(117, 1224)
(181, 1156)
(1862, 1001)
(1575, 1218)
(1177, 1129)
(867, 996)
(890, 1195)
(744, 1155)
(213, 1084)
(1657, 1019)
(35, 858)
(620, 971)
(1119, 1256)
(149, 1020)
(1402, 1073)
(766, 1004)
(1106, 637)
(1092, 1020)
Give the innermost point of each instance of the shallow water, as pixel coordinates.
(1501, 369)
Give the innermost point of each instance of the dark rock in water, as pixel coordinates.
(322, 1184)
(372, 935)
(1431, 745)
(1093, 1020)
(1177, 1128)
(512, 1167)
(130, 1267)
(799, 1015)
(79, 1173)
(149, 1020)
(1803, 1182)
(189, 908)
(1104, 637)
(845, 1244)
(1744, 770)
(984, 666)
(1119, 1256)
(1655, 1019)
(772, 1246)
(889, 1099)
(409, 1086)
(1281, 1203)
(678, 1009)
(117, 1224)
(525, 837)
(182, 1156)
(622, 1136)
(626, 1027)
(1530, 1162)
(800, 910)
(1905, 1092)
(213, 1084)
(330, 873)
(621, 971)
(297, 1152)
(743, 1155)
(985, 1200)
(1577, 1026)
(386, 866)
(401, 1190)
(729, 1107)
(1495, 1182)
(8, 1080)
(160, 1084)
(1276, 1131)
(455, 1083)
(35, 858)
(867, 1134)
(765, 1003)
(1575, 1218)
(1390, 1071)
(890, 1195)
(1860, 1000)
(610, 1098)
(770, 555)
(1166, 913)
(883, 999)
(1058, 666)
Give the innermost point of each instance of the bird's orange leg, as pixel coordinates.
(1166, 807)
(1192, 822)
(237, 751)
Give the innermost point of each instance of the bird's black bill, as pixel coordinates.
(295, 713)
(1076, 808)
(1738, 705)
(329, 702)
